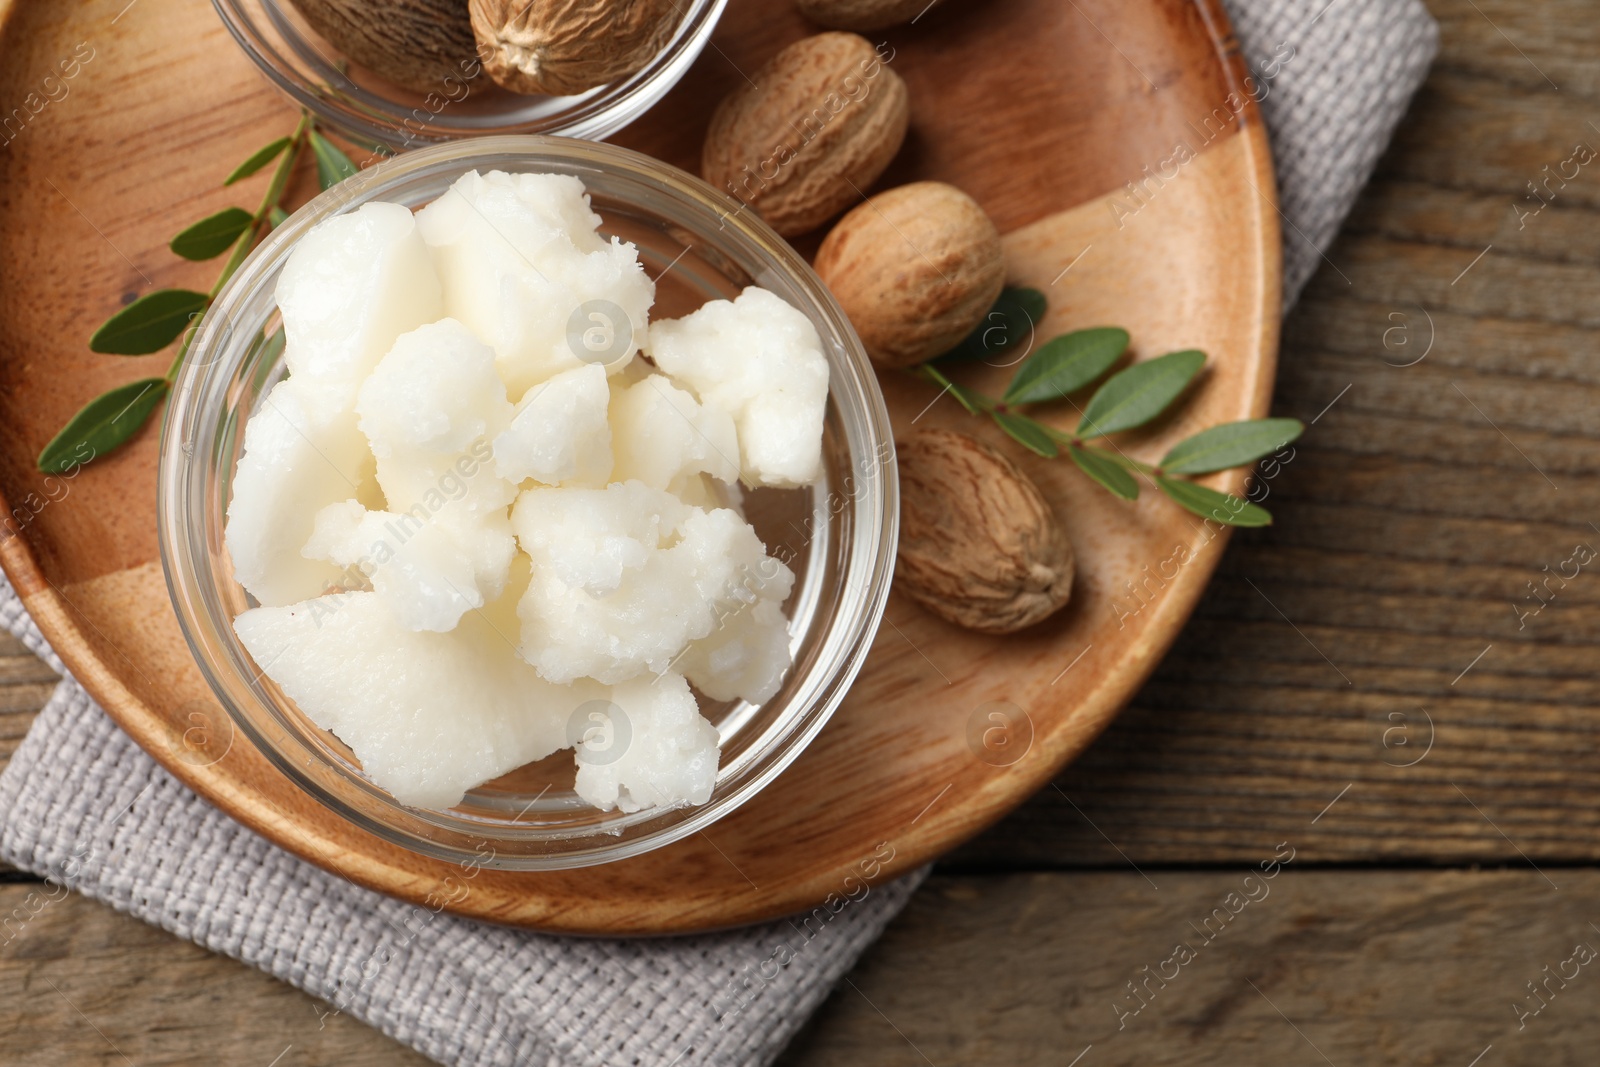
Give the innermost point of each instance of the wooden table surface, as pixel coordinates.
(1365, 687)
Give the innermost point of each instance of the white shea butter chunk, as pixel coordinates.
(429, 715)
(302, 452)
(650, 749)
(663, 435)
(431, 411)
(350, 287)
(588, 539)
(559, 433)
(760, 361)
(525, 268)
(625, 577)
(426, 572)
(745, 657)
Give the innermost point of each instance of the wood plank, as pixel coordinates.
(86, 985)
(1519, 44)
(1395, 967)
(1325, 966)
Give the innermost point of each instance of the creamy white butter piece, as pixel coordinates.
(432, 409)
(663, 435)
(354, 284)
(302, 451)
(761, 361)
(525, 269)
(625, 577)
(430, 715)
(650, 748)
(560, 433)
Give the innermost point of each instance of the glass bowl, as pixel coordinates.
(377, 112)
(837, 536)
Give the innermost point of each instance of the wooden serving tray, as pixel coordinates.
(1042, 110)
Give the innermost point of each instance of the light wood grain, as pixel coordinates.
(1198, 268)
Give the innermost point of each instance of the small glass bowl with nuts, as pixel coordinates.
(402, 74)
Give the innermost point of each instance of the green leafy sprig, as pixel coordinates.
(157, 319)
(1132, 397)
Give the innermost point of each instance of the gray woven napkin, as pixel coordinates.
(80, 803)
(1333, 78)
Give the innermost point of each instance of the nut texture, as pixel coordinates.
(979, 544)
(414, 43)
(821, 120)
(860, 14)
(563, 47)
(916, 269)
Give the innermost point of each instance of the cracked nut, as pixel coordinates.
(979, 544)
(565, 47)
(419, 44)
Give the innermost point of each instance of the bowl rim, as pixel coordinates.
(181, 548)
(601, 111)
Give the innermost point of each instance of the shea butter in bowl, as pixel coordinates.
(644, 540)
(383, 94)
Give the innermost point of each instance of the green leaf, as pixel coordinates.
(262, 157)
(1106, 472)
(149, 324)
(1233, 444)
(1027, 433)
(1219, 507)
(277, 216)
(1066, 364)
(1134, 396)
(102, 425)
(972, 401)
(975, 403)
(1012, 319)
(333, 166)
(212, 236)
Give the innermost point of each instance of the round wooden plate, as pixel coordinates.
(1042, 110)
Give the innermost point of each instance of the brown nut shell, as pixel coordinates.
(820, 121)
(565, 47)
(414, 43)
(916, 268)
(979, 544)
